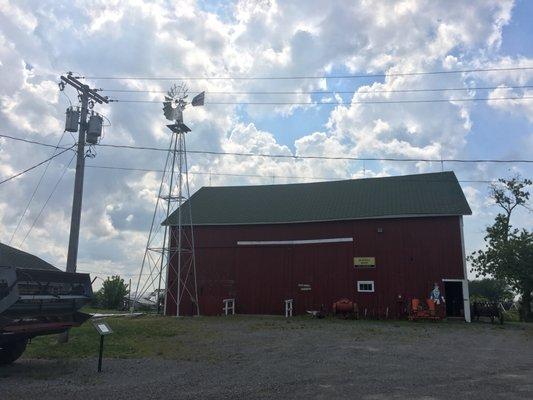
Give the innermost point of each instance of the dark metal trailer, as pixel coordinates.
(36, 299)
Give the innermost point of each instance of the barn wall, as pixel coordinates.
(411, 254)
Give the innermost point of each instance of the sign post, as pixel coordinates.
(103, 329)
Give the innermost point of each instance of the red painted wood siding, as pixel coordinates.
(411, 254)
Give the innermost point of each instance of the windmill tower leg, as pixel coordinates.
(182, 261)
(154, 260)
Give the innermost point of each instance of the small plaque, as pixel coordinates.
(102, 327)
(364, 261)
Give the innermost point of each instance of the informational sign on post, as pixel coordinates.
(103, 330)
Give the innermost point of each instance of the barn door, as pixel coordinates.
(303, 266)
(261, 281)
(454, 298)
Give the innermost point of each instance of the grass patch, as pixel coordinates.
(148, 336)
(214, 338)
(511, 316)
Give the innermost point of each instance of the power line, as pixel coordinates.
(335, 103)
(345, 158)
(34, 142)
(213, 173)
(316, 92)
(35, 191)
(110, 167)
(65, 169)
(342, 158)
(110, 273)
(346, 76)
(35, 166)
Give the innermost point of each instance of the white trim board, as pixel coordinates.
(466, 290)
(292, 242)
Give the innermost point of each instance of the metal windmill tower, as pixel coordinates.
(168, 270)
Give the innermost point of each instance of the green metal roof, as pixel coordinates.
(397, 196)
(11, 257)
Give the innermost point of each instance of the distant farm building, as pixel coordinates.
(378, 242)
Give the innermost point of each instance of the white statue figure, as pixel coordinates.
(435, 294)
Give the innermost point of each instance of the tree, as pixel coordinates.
(112, 293)
(487, 289)
(508, 253)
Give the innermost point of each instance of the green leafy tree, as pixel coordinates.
(112, 293)
(508, 253)
(488, 289)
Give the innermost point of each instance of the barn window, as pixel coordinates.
(365, 286)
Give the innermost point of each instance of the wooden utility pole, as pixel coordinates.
(86, 94)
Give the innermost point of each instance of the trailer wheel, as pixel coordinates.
(11, 351)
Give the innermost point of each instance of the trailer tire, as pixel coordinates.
(11, 351)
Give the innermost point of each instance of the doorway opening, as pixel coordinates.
(454, 298)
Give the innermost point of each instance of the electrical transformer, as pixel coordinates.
(94, 129)
(71, 121)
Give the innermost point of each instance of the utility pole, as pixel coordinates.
(87, 96)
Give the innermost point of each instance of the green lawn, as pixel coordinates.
(146, 336)
(204, 338)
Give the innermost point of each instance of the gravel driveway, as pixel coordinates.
(264, 358)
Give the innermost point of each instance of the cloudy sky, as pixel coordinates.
(40, 40)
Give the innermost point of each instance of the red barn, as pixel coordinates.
(379, 242)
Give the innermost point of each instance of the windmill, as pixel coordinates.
(169, 267)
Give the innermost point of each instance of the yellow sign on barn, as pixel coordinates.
(364, 261)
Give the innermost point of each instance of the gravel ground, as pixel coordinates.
(265, 358)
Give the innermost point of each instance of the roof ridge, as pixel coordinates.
(399, 177)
